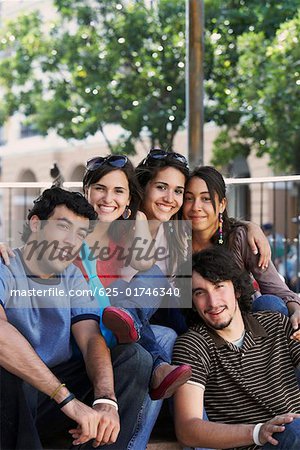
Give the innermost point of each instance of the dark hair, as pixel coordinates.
(176, 239)
(92, 176)
(217, 264)
(216, 186)
(44, 206)
(117, 229)
(146, 172)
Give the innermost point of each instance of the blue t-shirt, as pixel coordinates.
(43, 310)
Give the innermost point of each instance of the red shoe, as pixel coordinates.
(173, 380)
(121, 324)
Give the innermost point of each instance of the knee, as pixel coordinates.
(269, 303)
(169, 339)
(170, 334)
(293, 431)
(139, 361)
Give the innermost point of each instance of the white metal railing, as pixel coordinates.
(263, 199)
(229, 181)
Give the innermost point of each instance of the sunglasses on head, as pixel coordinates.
(158, 154)
(113, 160)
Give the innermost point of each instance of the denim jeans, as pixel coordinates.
(165, 337)
(142, 307)
(289, 439)
(29, 416)
(270, 303)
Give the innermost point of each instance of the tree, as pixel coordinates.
(122, 62)
(259, 91)
(101, 62)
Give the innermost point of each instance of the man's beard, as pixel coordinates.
(221, 326)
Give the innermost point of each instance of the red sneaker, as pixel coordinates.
(121, 324)
(177, 376)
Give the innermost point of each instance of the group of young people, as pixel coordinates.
(150, 206)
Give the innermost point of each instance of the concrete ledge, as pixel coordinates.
(164, 446)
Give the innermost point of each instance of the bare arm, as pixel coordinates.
(18, 357)
(259, 244)
(99, 368)
(192, 431)
(96, 356)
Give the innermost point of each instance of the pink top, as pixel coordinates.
(108, 269)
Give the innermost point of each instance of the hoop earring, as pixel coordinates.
(220, 229)
(127, 213)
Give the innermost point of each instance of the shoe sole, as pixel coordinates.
(121, 325)
(171, 382)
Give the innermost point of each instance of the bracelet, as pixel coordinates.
(66, 400)
(255, 434)
(292, 301)
(106, 401)
(56, 391)
(106, 398)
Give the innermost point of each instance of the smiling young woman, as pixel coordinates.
(205, 205)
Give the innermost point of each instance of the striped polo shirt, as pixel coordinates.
(250, 384)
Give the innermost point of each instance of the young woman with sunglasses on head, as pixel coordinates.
(205, 206)
(110, 186)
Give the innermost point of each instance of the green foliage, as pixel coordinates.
(122, 62)
(252, 92)
(101, 62)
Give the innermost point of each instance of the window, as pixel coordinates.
(28, 130)
(2, 138)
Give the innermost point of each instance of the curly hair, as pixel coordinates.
(216, 264)
(45, 204)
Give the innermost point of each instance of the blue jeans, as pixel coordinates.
(289, 439)
(27, 414)
(270, 303)
(150, 409)
(142, 307)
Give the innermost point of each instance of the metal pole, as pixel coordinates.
(194, 79)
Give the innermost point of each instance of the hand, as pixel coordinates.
(294, 310)
(85, 417)
(140, 216)
(275, 425)
(6, 252)
(259, 244)
(107, 429)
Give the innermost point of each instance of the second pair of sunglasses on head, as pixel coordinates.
(157, 154)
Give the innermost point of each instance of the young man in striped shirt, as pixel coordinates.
(243, 365)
